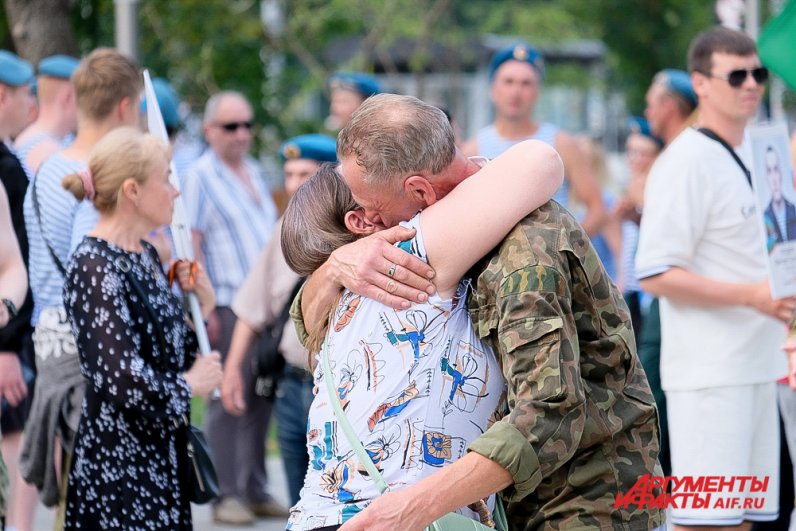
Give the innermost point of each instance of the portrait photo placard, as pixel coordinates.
(773, 182)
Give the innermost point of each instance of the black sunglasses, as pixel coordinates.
(736, 78)
(231, 127)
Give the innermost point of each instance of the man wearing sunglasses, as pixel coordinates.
(232, 214)
(700, 252)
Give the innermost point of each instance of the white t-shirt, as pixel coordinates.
(417, 386)
(700, 215)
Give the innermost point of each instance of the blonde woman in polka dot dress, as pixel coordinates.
(130, 458)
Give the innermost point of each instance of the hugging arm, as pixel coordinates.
(460, 228)
(463, 226)
(362, 267)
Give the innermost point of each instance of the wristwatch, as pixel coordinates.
(12, 308)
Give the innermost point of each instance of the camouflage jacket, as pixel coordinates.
(582, 425)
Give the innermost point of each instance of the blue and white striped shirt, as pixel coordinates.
(235, 226)
(57, 207)
(24, 149)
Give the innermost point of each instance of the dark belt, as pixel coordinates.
(298, 373)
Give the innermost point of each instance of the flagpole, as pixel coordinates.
(180, 229)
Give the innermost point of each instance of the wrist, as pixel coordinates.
(233, 363)
(187, 377)
(330, 274)
(427, 510)
(747, 296)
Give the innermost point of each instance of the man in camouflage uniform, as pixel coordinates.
(582, 425)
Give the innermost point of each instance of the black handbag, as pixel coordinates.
(267, 360)
(203, 482)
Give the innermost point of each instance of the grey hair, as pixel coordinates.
(314, 221)
(211, 107)
(393, 137)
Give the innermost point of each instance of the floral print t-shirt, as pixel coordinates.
(417, 386)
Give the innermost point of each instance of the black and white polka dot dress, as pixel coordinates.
(130, 450)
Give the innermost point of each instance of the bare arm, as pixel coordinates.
(232, 383)
(13, 277)
(475, 216)
(413, 508)
(685, 287)
(13, 286)
(584, 184)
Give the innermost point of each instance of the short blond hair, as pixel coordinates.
(124, 153)
(103, 79)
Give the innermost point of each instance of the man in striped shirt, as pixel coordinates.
(232, 214)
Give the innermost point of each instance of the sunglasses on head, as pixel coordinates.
(231, 127)
(736, 78)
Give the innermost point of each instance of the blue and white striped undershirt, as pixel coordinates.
(57, 208)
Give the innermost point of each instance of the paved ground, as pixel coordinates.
(202, 518)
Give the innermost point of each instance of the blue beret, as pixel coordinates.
(679, 82)
(641, 126)
(60, 66)
(320, 148)
(363, 83)
(14, 70)
(168, 102)
(519, 52)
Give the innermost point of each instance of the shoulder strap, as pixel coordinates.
(714, 136)
(343, 422)
(37, 208)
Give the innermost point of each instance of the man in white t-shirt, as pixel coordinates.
(700, 252)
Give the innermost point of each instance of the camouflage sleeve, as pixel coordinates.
(298, 317)
(539, 352)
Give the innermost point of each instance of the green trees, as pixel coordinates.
(277, 52)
